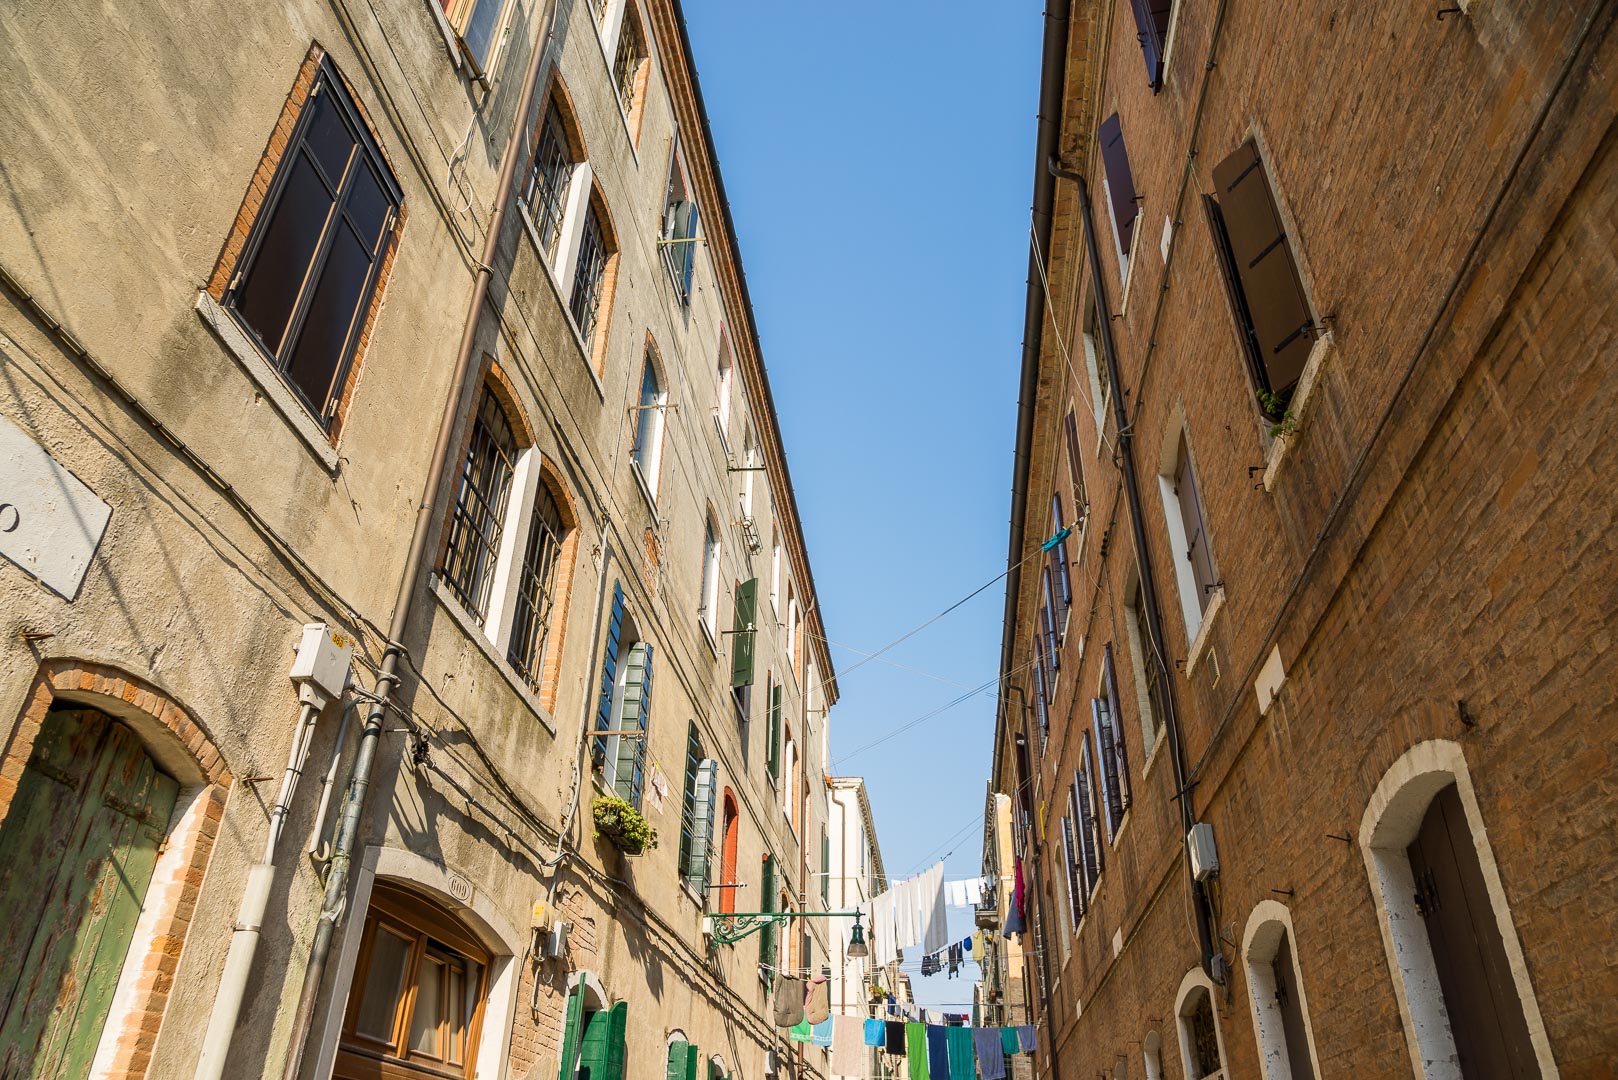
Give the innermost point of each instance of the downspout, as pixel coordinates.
(388, 677)
(1148, 580)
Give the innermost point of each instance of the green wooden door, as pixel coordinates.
(80, 839)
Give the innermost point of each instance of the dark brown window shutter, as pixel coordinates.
(1261, 255)
(1120, 182)
(1075, 470)
(1196, 526)
(1152, 28)
(1115, 709)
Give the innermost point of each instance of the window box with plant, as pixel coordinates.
(623, 826)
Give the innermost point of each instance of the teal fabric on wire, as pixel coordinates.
(916, 1050)
(962, 1063)
(938, 1052)
(1009, 1041)
(876, 1032)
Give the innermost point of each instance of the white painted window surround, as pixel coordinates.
(1267, 924)
(1185, 578)
(1194, 980)
(1392, 818)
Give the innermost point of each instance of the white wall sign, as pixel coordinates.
(50, 522)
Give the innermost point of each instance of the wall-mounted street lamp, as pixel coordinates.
(731, 927)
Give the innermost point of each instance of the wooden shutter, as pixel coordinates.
(1480, 995)
(609, 672)
(572, 1031)
(1196, 526)
(682, 1063)
(1047, 614)
(744, 640)
(617, 1029)
(1292, 1022)
(825, 867)
(629, 774)
(1075, 902)
(1115, 702)
(774, 752)
(1262, 259)
(1120, 182)
(1075, 468)
(703, 799)
(79, 846)
(1152, 28)
(1058, 558)
(766, 936)
(1112, 810)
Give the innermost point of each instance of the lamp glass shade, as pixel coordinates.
(856, 943)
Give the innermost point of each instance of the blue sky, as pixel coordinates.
(878, 160)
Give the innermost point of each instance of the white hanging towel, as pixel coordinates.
(934, 922)
(965, 893)
(907, 918)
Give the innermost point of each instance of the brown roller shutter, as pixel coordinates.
(1120, 182)
(1263, 263)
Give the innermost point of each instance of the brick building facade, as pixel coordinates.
(1306, 721)
(240, 252)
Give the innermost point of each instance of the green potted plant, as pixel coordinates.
(1276, 408)
(622, 825)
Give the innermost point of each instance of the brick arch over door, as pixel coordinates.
(181, 747)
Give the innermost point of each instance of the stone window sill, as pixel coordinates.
(269, 381)
(469, 626)
(1280, 446)
(1199, 646)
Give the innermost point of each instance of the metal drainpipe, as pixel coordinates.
(388, 677)
(1148, 581)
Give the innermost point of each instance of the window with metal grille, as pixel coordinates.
(588, 275)
(630, 56)
(549, 177)
(1202, 1039)
(480, 507)
(536, 589)
(647, 451)
(312, 262)
(681, 220)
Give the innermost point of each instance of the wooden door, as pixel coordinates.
(79, 845)
(1292, 1023)
(1480, 996)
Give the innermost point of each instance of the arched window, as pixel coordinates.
(647, 451)
(708, 612)
(1462, 983)
(419, 987)
(1202, 1046)
(727, 854)
(722, 388)
(593, 1033)
(1275, 986)
(478, 517)
(550, 178)
(1152, 1056)
(536, 588)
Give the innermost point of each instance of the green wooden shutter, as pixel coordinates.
(617, 1026)
(74, 933)
(825, 867)
(766, 936)
(682, 1061)
(775, 732)
(704, 795)
(629, 771)
(572, 1031)
(744, 640)
(609, 672)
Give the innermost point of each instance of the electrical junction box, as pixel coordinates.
(1199, 844)
(556, 941)
(772, 1063)
(322, 667)
(538, 921)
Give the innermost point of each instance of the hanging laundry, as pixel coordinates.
(1016, 924)
(848, 1042)
(894, 1042)
(931, 965)
(934, 921)
(876, 1033)
(822, 1032)
(908, 919)
(955, 959)
(788, 1001)
(803, 1031)
(818, 1004)
(991, 1062)
(1008, 1041)
(916, 1050)
(966, 893)
(1027, 1039)
(938, 1053)
(960, 1053)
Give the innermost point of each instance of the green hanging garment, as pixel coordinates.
(916, 1050)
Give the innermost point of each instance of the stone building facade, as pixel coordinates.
(854, 875)
(238, 252)
(1308, 677)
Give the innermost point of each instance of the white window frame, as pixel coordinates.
(749, 462)
(723, 386)
(712, 544)
(775, 567)
(789, 776)
(1195, 979)
(1197, 619)
(654, 416)
(456, 27)
(1139, 657)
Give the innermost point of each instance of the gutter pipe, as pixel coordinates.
(1148, 580)
(388, 677)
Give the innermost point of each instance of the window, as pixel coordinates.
(549, 180)
(1077, 895)
(773, 751)
(1075, 476)
(727, 854)
(1199, 1035)
(766, 936)
(825, 868)
(309, 273)
(1260, 271)
(625, 705)
(479, 514)
(723, 388)
(743, 646)
(697, 812)
(589, 277)
(1042, 691)
(1052, 619)
(775, 566)
(593, 1036)
(477, 24)
(627, 64)
(789, 789)
(536, 590)
(1148, 683)
(1188, 535)
(647, 451)
(681, 221)
(1113, 767)
(1119, 182)
(682, 1061)
(792, 630)
(1275, 990)
(1152, 27)
(708, 612)
(1091, 807)
(419, 986)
